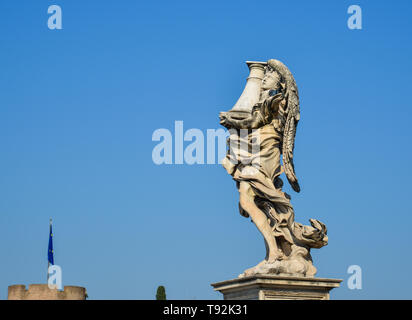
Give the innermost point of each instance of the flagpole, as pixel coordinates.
(48, 262)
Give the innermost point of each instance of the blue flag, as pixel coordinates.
(50, 252)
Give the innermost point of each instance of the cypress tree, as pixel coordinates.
(161, 293)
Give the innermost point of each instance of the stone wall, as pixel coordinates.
(42, 292)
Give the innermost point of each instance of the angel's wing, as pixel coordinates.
(291, 119)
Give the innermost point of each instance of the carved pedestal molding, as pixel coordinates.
(275, 287)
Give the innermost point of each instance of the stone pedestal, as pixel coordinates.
(273, 287)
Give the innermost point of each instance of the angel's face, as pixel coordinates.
(270, 80)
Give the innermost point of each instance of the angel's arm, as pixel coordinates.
(259, 117)
(254, 121)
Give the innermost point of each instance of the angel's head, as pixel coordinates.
(271, 80)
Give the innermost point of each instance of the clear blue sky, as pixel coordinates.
(78, 107)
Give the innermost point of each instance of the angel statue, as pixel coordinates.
(270, 123)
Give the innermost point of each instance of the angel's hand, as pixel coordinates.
(275, 102)
(222, 115)
(226, 121)
(276, 98)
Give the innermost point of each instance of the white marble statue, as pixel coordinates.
(268, 111)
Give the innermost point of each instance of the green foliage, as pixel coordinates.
(161, 293)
